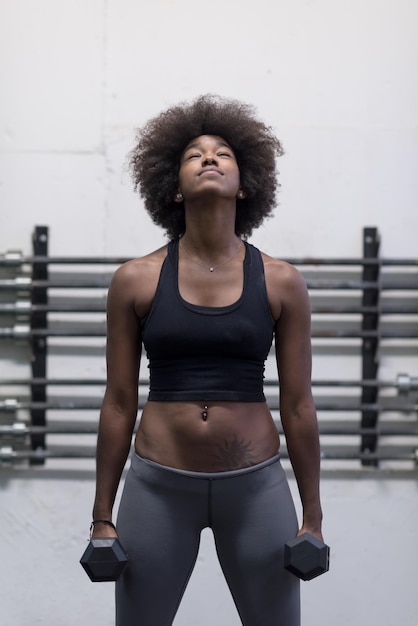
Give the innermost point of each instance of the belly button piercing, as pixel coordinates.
(205, 413)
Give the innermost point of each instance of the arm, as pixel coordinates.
(120, 402)
(297, 410)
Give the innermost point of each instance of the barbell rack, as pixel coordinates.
(363, 301)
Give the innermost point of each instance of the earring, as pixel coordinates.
(241, 194)
(179, 197)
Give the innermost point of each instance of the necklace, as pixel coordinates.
(211, 268)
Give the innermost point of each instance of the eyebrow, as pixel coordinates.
(220, 144)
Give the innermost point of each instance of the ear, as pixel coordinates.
(178, 197)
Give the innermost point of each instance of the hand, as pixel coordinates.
(314, 531)
(102, 530)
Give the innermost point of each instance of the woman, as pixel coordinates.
(207, 308)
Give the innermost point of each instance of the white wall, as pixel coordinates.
(338, 80)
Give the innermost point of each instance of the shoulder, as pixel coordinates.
(140, 269)
(286, 287)
(282, 275)
(135, 282)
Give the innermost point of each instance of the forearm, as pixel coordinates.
(113, 446)
(302, 440)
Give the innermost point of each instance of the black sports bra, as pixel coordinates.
(208, 353)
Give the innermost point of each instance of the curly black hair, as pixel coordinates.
(155, 160)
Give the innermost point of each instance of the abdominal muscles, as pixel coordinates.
(207, 436)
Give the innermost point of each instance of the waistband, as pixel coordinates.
(139, 460)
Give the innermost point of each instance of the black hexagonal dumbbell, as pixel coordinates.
(306, 557)
(104, 559)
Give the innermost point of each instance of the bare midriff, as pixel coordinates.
(207, 436)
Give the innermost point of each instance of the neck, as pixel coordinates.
(210, 227)
(211, 243)
(218, 254)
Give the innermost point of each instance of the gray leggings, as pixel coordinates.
(161, 515)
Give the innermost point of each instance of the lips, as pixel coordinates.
(214, 170)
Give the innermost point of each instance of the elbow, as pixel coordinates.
(120, 404)
(300, 419)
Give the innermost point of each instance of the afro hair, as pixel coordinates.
(155, 160)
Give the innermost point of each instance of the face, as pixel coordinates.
(208, 167)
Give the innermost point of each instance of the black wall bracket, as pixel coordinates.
(370, 342)
(39, 346)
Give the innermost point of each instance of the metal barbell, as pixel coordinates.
(15, 258)
(393, 428)
(98, 305)
(9, 455)
(324, 403)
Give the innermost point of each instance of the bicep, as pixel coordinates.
(293, 343)
(123, 344)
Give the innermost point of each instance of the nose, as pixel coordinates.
(209, 160)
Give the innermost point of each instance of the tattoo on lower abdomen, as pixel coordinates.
(236, 453)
